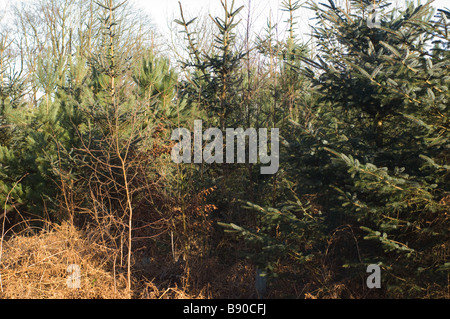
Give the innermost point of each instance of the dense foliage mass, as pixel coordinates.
(85, 137)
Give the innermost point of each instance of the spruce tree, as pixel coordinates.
(384, 118)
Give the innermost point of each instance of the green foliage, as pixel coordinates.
(290, 234)
(363, 117)
(157, 86)
(216, 77)
(383, 117)
(34, 148)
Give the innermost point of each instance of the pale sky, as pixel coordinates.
(163, 11)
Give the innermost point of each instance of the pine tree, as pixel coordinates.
(384, 120)
(216, 75)
(157, 85)
(287, 234)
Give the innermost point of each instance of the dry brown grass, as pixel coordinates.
(151, 291)
(35, 267)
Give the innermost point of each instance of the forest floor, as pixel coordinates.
(38, 266)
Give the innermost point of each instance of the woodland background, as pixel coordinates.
(89, 97)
